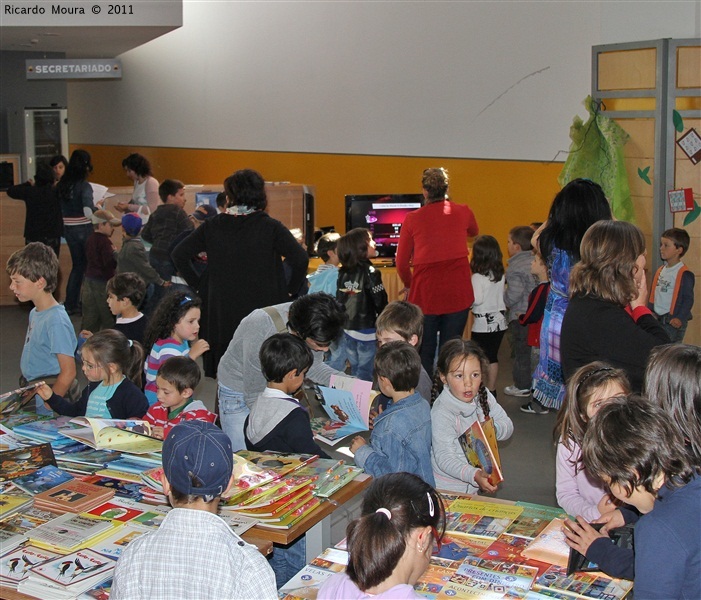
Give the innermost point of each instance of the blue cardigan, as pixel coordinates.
(127, 402)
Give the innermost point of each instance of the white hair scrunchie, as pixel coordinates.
(385, 512)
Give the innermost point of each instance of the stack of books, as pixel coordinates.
(69, 532)
(42, 479)
(16, 563)
(10, 541)
(12, 503)
(73, 496)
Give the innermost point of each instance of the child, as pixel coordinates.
(402, 321)
(488, 309)
(165, 224)
(48, 349)
(325, 278)
(519, 283)
(277, 421)
(361, 291)
(401, 436)
(390, 544)
(587, 391)
(112, 366)
(102, 264)
(132, 258)
(633, 446)
(194, 553)
(172, 331)
(533, 318)
(176, 382)
(464, 399)
(125, 291)
(672, 293)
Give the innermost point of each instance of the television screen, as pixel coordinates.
(206, 198)
(383, 215)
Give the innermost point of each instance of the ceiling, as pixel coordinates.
(79, 42)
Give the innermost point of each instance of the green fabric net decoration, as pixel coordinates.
(596, 153)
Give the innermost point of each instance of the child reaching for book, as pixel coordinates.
(390, 544)
(172, 331)
(461, 398)
(176, 382)
(401, 435)
(591, 386)
(112, 366)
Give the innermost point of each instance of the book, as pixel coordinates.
(434, 578)
(12, 503)
(126, 476)
(26, 520)
(534, 518)
(295, 516)
(114, 544)
(26, 460)
(122, 489)
(274, 508)
(550, 545)
(508, 548)
(239, 524)
(8, 440)
(582, 585)
(331, 475)
(15, 400)
(479, 443)
(43, 479)
(116, 511)
(130, 435)
(497, 574)
(347, 403)
(493, 517)
(73, 496)
(16, 563)
(299, 501)
(69, 532)
(92, 457)
(9, 540)
(620, 536)
(43, 430)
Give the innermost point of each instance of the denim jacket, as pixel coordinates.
(400, 440)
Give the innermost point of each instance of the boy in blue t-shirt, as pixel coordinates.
(50, 343)
(401, 435)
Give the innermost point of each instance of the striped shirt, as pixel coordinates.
(162, 350)
(159, 415)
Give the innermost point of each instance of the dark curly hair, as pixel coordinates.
(137, 163)
(169, 311)
(246, 188)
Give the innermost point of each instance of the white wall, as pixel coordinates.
(454, 79)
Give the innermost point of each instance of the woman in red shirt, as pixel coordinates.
(434, 242)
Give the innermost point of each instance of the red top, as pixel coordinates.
(158, 415)
(434, 241)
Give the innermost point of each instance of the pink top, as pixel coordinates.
(434, 241)
(340, 587)
(577, 492)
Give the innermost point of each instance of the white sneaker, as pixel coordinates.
(512, 390)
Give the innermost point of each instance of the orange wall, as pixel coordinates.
(501, 193)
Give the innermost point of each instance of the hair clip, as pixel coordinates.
(131, 343)
(385, 512)
(185, 300)
(431, 507)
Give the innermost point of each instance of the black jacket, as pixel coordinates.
(360, 289)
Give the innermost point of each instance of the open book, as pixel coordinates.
(131, 436)
(16, 399)
(479, 443)
(347, 403)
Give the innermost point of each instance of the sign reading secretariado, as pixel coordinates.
(85, 68)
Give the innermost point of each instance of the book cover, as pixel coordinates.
(8, 440)
(23, 461)
(479, 443)
(508, 548)
(280, 463)
(296, 516)
(331, 475)
(130, 435)
(434, 578)
(42, 430)
(12, 503)
(306, 583)
(534, 518)
(126, 476)
(43, 479)
(115, 512)
(122, 489)
(27, 519)
(347, 403)
(9, 540)
(582, 585)
(113, 545)
(497, 573)
(13, 401)
(275, 508)
(550, 545)
(460, 547)
(73, 496)
(71, 531)
(292, 508)
(239, 524)
(459, 522)
(75, 568)
(15, 564)
(92, 457)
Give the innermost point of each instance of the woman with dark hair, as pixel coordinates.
(59, 164)
(43, 221)
(145, 198)
(245, 247)
(76, 196)
(433, 241)
(390, 544)
(576, 207)
(607, 317)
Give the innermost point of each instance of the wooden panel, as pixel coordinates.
(642, 137)
(628, 69)
(689, 67)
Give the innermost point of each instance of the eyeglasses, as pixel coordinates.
(90, 366)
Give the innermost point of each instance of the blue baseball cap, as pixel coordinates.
(132, 223)
(198, 459)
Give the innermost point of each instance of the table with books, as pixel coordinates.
(75, 492)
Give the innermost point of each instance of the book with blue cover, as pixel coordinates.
(42, 479)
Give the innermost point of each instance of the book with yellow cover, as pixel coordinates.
(479, 443)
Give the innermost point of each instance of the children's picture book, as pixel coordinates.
(479, 443)
(42, 430)
(331, 475)
(239, 524)
(132, 436)
(496, 573)
(248, 474)
(116, 511)
(306, 583)
(122, 489)
(13, 401)
(42, 479)
(75, 572)
(508, 548)
(73, 496)
(295, 516)
(460, 547)
(16, 563)
(12, 503)
(23, 461)
(26, 519)
(534, 518)
(8, 440)
(433, 579)
(113, 545)
(550, 545)
(276, 507)
(70, 532)
(9, 540)
(347, 403)
(494, 517)
(92, 457)
(582, 585)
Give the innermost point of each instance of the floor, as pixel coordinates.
(528, 458)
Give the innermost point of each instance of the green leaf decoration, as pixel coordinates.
(643, 174)
(693, 214)
(678, 121)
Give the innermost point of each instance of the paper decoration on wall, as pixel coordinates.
(693, 215)
(678, 121)
(596, 153)
(690, 143)
(643, 174)
(681, 200)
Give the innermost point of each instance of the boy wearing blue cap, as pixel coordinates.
(194, 553)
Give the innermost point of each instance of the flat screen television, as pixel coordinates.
(383, 215)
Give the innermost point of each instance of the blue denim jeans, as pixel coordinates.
(338, 354)
(76, 236)
(676, 335)
(449, 326)
(361, 356)
(232, 415)
(287, 561)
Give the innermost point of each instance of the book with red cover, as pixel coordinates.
(73, 496)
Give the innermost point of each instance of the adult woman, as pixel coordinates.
(575, 208)
(58, 163)
(390, 544)
(138, 169)
(607, 317)
(244, 250)
(43, 221)
(434, 241)
(75, 194)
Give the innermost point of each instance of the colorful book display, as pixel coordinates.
(479, 443)
(347, 402)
